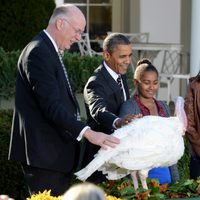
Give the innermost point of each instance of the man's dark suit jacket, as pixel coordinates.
(103, 99)
(44, 128)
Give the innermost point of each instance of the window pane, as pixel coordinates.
(75, 1)
(100, 1)
(100, 21)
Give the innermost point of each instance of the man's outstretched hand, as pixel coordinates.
(101, 139)
(126, 119)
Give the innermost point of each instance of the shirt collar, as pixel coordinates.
(111, 72)
(52, 40)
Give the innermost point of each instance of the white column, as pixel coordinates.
(195, 39)
(59, 2)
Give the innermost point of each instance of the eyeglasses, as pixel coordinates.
(79, 32)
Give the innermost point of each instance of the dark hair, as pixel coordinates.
(113, 40)
(144, 65)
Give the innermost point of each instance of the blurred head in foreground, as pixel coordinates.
(84, 191)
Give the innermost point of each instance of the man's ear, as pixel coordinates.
(59, 24)
(106, 55)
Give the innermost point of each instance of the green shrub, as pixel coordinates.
(183, 163)
(79, 69)
(11, 177)
(20, 20)
(8, 66)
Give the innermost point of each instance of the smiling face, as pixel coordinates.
(66, 26)
(119, 59)
(148, 84)
(71, 31)
(73, 28)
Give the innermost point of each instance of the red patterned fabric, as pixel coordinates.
(145, 111)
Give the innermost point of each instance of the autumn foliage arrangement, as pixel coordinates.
(124, 189)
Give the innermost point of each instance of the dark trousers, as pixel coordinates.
(39, 179)
(194, 167)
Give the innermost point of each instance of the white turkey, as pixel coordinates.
(145, 143)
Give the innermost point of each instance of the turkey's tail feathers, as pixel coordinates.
(95, 164)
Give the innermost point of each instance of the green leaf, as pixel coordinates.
(127, 191)
(157, 197)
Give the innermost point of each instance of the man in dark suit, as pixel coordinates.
(46, 124)
(104, 93)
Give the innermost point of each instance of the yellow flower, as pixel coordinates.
(109, 197)
(46, 195)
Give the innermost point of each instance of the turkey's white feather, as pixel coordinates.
(145, 143)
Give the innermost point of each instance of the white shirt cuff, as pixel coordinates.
(82, 133)
(114, 123)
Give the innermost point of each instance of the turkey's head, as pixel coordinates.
(180, 112)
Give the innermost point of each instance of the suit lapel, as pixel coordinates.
(55, 55)
(112, 83)
(125, 86)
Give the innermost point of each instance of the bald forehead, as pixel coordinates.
(67, 10)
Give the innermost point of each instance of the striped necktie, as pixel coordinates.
(119, 82)
(67, 79)
(65, 72)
